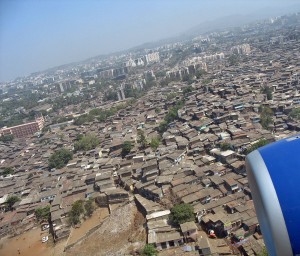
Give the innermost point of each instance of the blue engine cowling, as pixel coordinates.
(274, 178)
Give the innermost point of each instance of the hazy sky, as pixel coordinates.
(39, 34)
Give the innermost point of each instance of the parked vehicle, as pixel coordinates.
(45, 239)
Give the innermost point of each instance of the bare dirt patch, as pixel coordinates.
(121, 232)
(30, 244)
(97, 217)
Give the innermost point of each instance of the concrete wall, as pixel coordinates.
(176, 244)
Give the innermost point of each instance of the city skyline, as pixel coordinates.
(119, 145)
(37, 36)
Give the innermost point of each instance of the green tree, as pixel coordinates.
(157, 110)
(83, 119)
(187, 90)
(60, 158)
(62, 127)
(87, 142)
(268, 91)
(96, 112)
(233, 60)
(149, 250)
(206, 81)
(266, 117)
(163, 126)
(10, 201)
(171, 95)
(6, 171)
(200, 73)
(43, 213)
(182, 213)
(110, 95)
(76, 211)
(225, 146)
(132, 93)
(142, 140)
(160, 73)
(154, 143)
(79, 137)
(46, 129)
(103, 115)
(7, 138)
(89, 207)
(187, 78)
(172, 115)
(164, 82)
(295, 113)
(126, 148)
(260, 143)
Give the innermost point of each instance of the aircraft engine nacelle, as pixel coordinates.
(274, 178)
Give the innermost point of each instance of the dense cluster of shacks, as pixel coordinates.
(187, 167)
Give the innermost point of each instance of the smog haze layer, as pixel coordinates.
(36, 35)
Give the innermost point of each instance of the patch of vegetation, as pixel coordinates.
(76, 211)
(157, 110)
(233, 60)
(170, 117)
(101, 114)
(63, 101)
(206, 81)
(14, 119)
(187, 90)
(110, 95)
(142, 140)
(83, 119)
(260, 143)
(134, 93)
(295, 113)
(60, 158)
(87, 142)
(6, 171)
(268, 91)
(43, 213)
(161, 73)
(188, 79)
(171, 95)
(89, 207)
(7, 138)
(182, 213)
(167, 80)
(61, 119)
(266, 115)
(225, 146)
(154, 143)
(126, 148)
(149, 250)
(10, 201)
(200, 73)
(163, 126)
